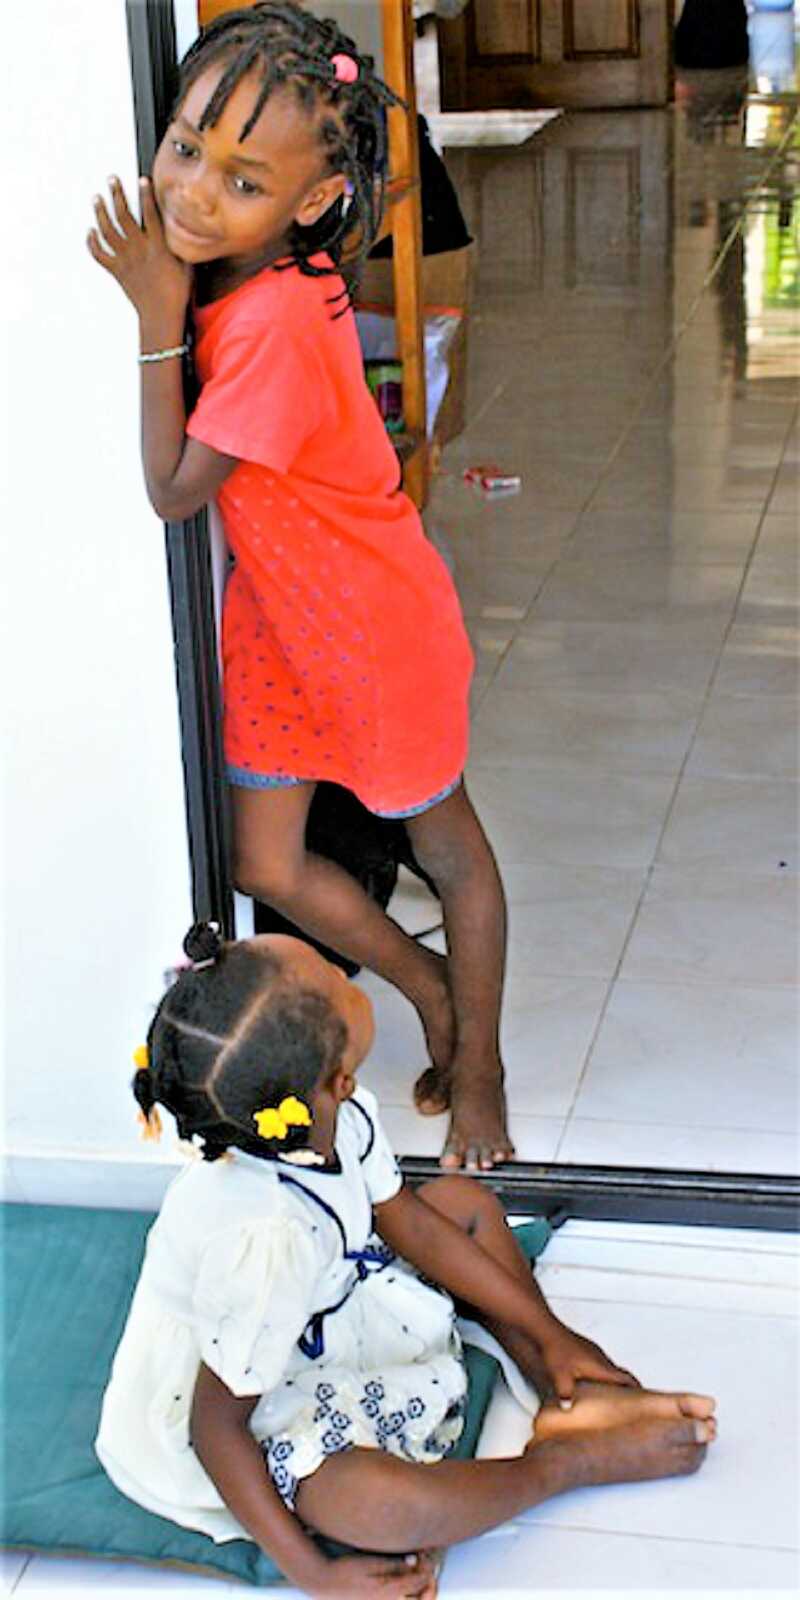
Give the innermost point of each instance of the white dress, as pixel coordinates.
(271, 1275)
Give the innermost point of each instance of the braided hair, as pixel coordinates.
(231, 1036)
(290, 48)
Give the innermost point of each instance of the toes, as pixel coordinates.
(480, 1157)
(452, 1156)
(503, 1152)
(696, 1405)
(702, 1432)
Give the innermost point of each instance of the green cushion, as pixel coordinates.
(69, 1276)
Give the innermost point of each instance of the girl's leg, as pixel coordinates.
(477, 1210)
(271, 862)
(377, 1502)
(451, 845)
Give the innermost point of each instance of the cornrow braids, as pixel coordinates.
(291, 48)
(231, 1037)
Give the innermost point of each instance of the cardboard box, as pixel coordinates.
(446, 282)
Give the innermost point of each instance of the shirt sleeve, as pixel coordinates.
(252, 1297)
(382, 1175)
(264, 397)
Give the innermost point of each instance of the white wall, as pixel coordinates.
(97, 892)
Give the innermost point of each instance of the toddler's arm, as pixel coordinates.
(448, 1256)
(181, 474)
(232, 1458)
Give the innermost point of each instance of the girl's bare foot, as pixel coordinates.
(432, 1092)
(641, 1448)
(599, 1406)
(478, 1137)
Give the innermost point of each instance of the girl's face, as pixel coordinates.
(220, 199)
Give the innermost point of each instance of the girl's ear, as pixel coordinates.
(320, 199)
(342, 1084)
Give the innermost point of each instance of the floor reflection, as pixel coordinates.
(634, 354)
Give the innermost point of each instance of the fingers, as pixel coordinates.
(151, 218)
(618, 1375)
(96, 250)
(110, 236)
(126, 221)
(564, 1389)
(413, 1580)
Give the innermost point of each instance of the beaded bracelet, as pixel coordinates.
(163, 355)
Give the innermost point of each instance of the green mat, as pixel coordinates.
(69, 1276)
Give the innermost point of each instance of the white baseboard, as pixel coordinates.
(70, 1178)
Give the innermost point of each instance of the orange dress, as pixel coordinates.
(345, 654)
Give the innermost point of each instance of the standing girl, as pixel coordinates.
(284, 1370)
(345, 654)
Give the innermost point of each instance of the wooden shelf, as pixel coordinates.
(404, 222)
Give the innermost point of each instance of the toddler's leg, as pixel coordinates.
(451, 845)
(271, 862)
(377, 1502)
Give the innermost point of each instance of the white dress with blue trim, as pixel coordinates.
(271, 1275)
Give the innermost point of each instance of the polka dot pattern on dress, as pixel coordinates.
(343, 648)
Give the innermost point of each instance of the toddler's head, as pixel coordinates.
(255, 1045)
(277, 145)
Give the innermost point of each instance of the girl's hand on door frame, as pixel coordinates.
(136, 254)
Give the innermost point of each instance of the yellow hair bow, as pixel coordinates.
(274, 1122)
(141, 1057)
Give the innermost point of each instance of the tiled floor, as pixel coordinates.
(634, 354)
(635, 351)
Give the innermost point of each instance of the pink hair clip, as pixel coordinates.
(345, 68)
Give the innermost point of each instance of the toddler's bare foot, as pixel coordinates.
(478, 1137)
(599, 1406)
(645, 1446)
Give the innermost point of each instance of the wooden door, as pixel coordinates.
(520, 54)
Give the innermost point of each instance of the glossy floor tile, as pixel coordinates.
(610, 656)
(639, 731)
(708, 1054)
(712, 925)
(749, 825)
(735, 739)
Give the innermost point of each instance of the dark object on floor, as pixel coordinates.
(74, 1269)
(443, 226)
(369, 848)
(712, 33)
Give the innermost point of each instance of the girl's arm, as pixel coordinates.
(181, 474)
(448, 1256)
(232, 1458)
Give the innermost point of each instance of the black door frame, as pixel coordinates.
(624, 1194)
